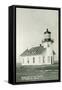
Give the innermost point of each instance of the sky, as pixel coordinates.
(31, 25)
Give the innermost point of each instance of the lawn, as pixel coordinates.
(36, 73)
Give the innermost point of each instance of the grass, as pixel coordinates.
(34, 73)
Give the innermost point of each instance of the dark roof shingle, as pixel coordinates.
(33, 51)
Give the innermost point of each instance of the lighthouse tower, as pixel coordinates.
(47, 43)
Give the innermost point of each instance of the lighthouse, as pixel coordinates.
(39, 55)
(48, 43)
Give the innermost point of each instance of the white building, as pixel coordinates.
(41, 55)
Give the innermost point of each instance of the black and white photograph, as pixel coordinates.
(37, 44)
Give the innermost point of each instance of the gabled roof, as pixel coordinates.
(33, 51)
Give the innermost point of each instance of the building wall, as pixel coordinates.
(45, 58)
(36, 60)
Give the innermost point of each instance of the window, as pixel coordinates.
(23, 60)
(48, 59)
(39, 59)
(28, 60)
(33, 59)
(43, 59)
(48, 45)
(51, 60)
